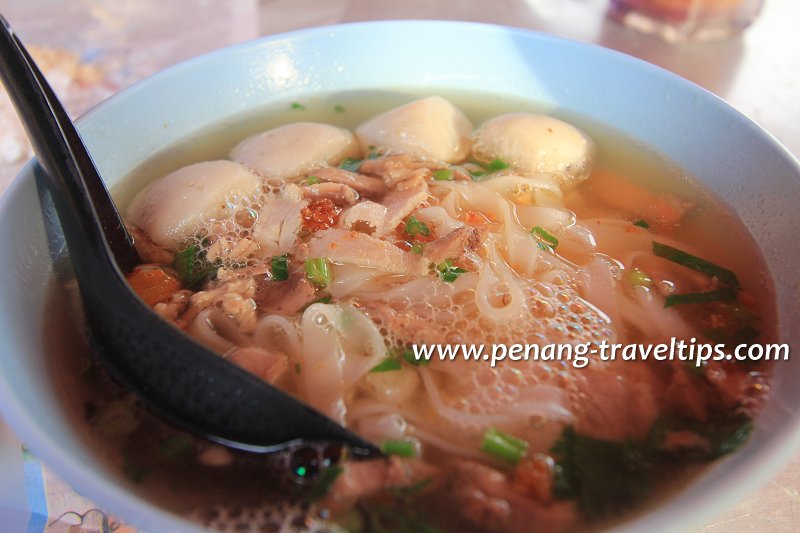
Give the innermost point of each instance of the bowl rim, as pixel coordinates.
(128, 505)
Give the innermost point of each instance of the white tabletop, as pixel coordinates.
(758, 73)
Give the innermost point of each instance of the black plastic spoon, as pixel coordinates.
(175, 376)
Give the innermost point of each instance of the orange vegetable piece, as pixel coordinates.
(533, 477)
(153, 284)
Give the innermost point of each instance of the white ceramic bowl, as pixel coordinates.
(733, 157)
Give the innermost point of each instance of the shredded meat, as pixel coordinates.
(234, 298)
(455, 244)
(269, 366)
(283, 297)
(618, 403)
(401, 203)
(355, 248)
(395, 169)
(172, 309)
(339, 193)
(361, 479)
(149, 252)
(367, 217)
(405, 326)
(365, 185)
(488, 500)
(278, 225)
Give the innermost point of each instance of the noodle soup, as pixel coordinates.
(323, 245)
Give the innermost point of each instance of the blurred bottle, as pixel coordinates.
(686, 20)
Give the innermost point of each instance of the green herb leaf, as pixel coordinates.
(339, 108)
(280, 267)
(298, 106)
(414, 227)
(324, 483)
(604, 476)
(408, 355)
(495, 165)
(641, 223)
(311, 180)
(192, 267)
(387, 365)
(372, 152)
(695, 263)
(418, 247)
(317, 271)
(175, 445)
(542, 235)
(725, 294)
(504, 446)
(297, 368)
(402, 448)
(448, 272)
(444, 174)
(351, 165)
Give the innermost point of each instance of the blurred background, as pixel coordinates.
(90, 49)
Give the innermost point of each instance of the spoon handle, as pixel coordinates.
(55, 151)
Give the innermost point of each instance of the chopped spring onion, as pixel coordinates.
(695, 263)
(418, 247)
(404, 491)
(496, 164)
(448, 272)
(317, 271)
(350, 164)
(298, 106)
(504, 446)
(725, 294)
(387, 365)
(408, 356)
(403, 448)
(445, 174)
(339, 108)
(492, 166)
(312, 180)
(642, 223)
(542, 235)
(639, 278)
(414, 227)
(280, 267)
(324, 482)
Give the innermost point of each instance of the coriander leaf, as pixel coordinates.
(298, 106)
(642, 223)
(605, 476)
(192, 266)
(280, 267)
(339, 108)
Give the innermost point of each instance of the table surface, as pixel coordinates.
(758, 73)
